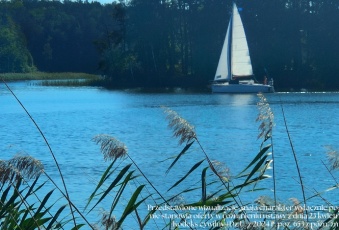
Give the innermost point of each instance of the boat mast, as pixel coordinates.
(230, 43)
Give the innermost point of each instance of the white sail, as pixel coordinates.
(240, 55)
(235, 62)
(223, 69)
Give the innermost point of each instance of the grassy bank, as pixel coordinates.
(47, 76)
(55, 79)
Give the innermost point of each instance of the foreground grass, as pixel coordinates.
(47, 76)
(215, 200)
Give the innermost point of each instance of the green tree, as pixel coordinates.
(14, 56)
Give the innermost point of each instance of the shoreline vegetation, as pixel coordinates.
(47, 76)
(74, 79)
(214, 202)
(55, 79)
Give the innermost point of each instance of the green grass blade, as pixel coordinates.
(254, 180)
(210, 203)
(44, 201)
(12, 200)
(34, 223)
(187, 174)
(3, 198)
(78, 226)
(113, 184)
(26, 212)
(55, 217)
(256, 168)
(103, 178)
(257, 157)
(131, 206)
(203, 184)
(148, 217)
(39, 187)
(31, 187)
(12, 220)
(120, 191)
(181, 153)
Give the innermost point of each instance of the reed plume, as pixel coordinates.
(266, 118)
(222, 170)
(6, 172)
(20, 167)
(108, 221)
(333, 158)
(298, 209)
(177, 200)
(180, 126)
(110, 147)
(265, 201)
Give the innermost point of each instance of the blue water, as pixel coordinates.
(225, 125)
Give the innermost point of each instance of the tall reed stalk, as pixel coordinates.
(66, 194)
(295, 159)
(266, 119)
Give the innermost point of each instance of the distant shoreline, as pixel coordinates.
(47, 76)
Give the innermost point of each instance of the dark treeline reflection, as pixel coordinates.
(171, 42)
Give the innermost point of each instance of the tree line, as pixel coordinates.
(171, 42)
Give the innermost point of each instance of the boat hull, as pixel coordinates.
(241, 88)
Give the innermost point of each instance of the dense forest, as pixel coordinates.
(171, 42)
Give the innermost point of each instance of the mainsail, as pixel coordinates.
(241, 61)
(235, 57)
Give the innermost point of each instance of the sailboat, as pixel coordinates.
(234, 72)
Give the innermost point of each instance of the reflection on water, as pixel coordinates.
(236, 99)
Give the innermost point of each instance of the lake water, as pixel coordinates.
(225, 124)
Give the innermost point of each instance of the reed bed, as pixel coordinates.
(46, 76)
(219, 204)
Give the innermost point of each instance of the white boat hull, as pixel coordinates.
(241, 88)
